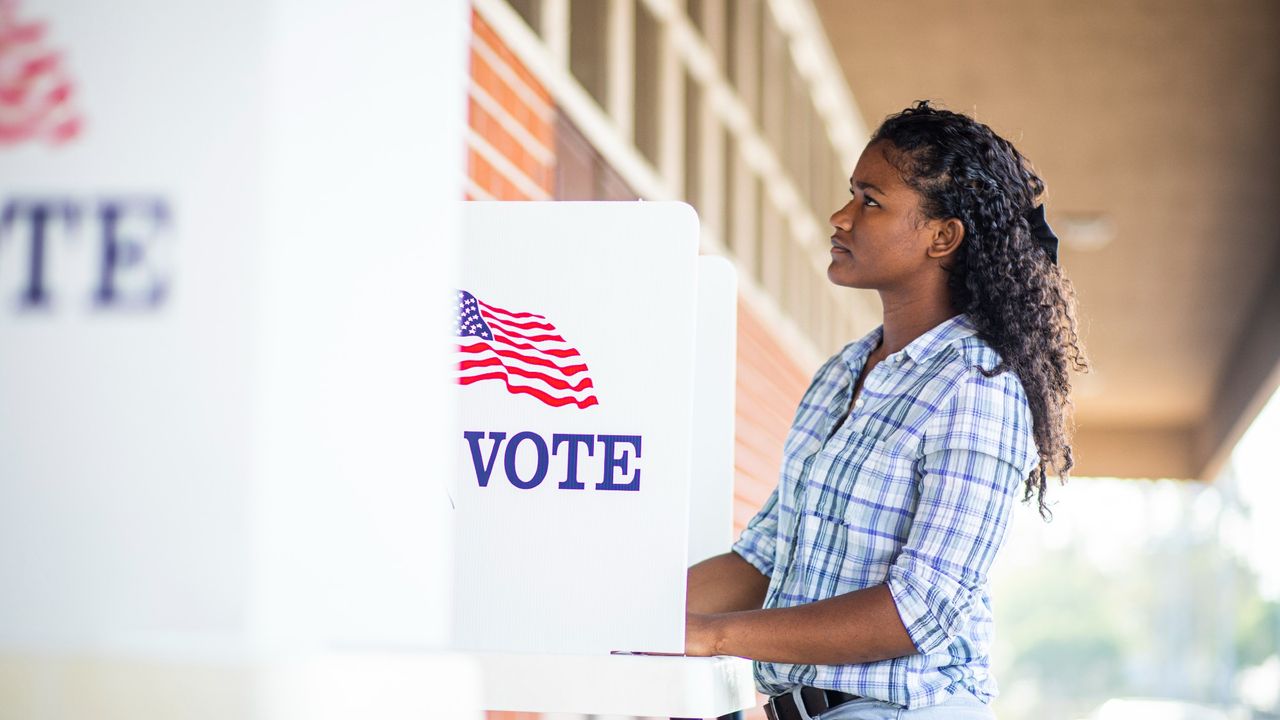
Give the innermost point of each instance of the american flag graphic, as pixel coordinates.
(523, 350)
(35, 90)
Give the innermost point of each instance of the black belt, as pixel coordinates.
(816, 700)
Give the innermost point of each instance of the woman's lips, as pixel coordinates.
(836, 247)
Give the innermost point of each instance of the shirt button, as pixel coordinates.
(858, 404)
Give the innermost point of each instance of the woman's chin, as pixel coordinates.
(840, 275)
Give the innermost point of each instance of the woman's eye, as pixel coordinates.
(866, 199)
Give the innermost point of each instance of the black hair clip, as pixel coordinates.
(1041, 231)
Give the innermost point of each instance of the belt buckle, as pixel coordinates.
(771, 709)
(804, 695)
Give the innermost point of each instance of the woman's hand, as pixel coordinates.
(701, 634)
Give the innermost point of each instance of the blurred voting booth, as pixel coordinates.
(225, 249)
(595, 387)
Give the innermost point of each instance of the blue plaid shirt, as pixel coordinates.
(914, 490)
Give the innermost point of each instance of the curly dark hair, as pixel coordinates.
(1020, 301)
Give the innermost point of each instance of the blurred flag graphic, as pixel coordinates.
(35, 90)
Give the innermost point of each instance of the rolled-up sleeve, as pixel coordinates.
(975, 452)
(760, 537)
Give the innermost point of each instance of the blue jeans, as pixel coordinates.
(963, 705)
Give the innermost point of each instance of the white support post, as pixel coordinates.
(711, 167)
(671, 109)
(555, 31)
(620, 67)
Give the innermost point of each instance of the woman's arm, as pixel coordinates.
(970, 473)
(857, 627)
(737, 580)
(725, 583)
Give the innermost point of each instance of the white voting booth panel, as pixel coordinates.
(596, 381)
(714, 388)
(572, 492)
(227, 231)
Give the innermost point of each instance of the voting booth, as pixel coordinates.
(225, 245)
(595, 379)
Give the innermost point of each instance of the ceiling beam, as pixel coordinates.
(1132, 452)
(1249, 378)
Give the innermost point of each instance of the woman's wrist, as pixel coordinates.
(704, 633)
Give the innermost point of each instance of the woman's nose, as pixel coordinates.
(843, 218)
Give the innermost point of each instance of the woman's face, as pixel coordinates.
(880, 240)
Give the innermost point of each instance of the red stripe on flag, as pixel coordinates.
(516, 315)
(548, 399)
(561, 353)
(481, 347)
(521, 325)
(533, 338)
(553, 382)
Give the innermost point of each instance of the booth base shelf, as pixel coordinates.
(661, 686)
(57, 685)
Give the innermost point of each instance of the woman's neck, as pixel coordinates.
(908, 317)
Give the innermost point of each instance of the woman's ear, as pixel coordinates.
(947, 235)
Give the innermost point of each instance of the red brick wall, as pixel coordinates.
(770, 384)
(511, 143)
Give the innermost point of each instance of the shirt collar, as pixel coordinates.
(930, 343)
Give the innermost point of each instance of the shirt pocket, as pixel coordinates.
(855, 473)
(860, 498)
(835, 557)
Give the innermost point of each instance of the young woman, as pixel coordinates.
(860, 588)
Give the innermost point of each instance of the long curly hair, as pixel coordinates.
(1020, 301)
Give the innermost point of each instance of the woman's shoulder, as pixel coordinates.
(991, 411)
(971, 358)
